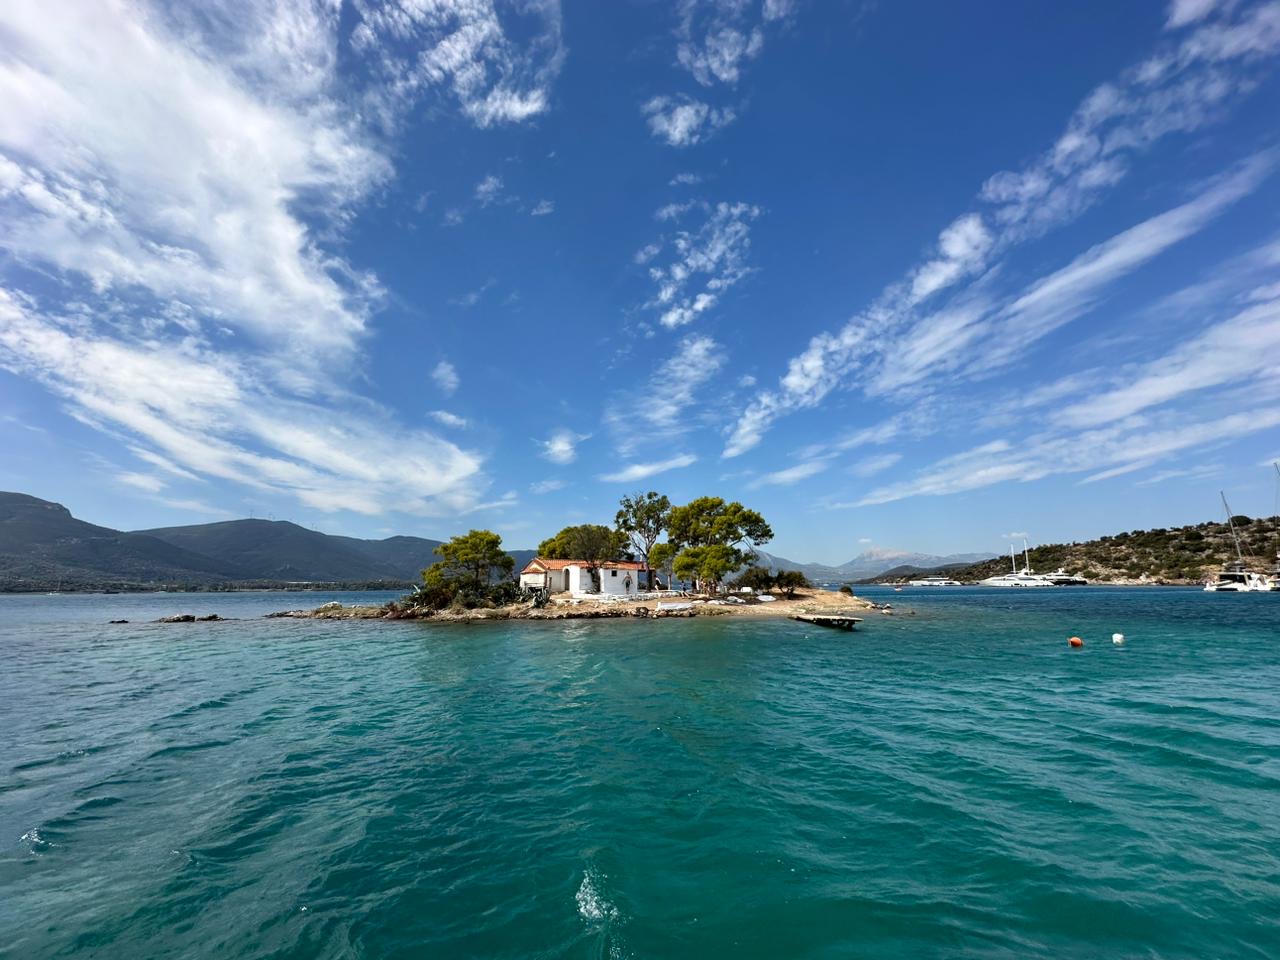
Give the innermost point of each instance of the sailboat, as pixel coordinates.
(1016, 577)
(1275, 571)
(1235, 578)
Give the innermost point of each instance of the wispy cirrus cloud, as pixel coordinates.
(642, 471)
(702, 261)
(179, 183)
(463, 46)
(791, 475)
(898, 340)
(447, 419)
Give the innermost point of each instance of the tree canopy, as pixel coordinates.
(471, 558)
(642, 517)
(590, 542)
(709, 521)
(709, 563)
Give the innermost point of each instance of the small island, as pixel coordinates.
(592, 571)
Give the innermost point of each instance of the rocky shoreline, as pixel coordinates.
(815, 602)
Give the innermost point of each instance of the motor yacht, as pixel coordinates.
(935, 582)
(1060, 578)
(1018, 578)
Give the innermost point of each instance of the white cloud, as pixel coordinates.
(180, 179)
(453, 217)
(1109, 451)
(973, 335)
(464, 47)
(716, 39)
(963, 247)
(1174, 91)
(562, 446)
(143, 481)
(542, 208)
(672, 391)
(1232, 352)
(869, 466)
(685, 180)
(449, 419)
(702, 264)
(208, 415)
(682, 121)
(790, 475)
(446, 377)
(1183, 12)
(546, 486)
(1017, 535)
(489, 190)
(1201, 472)
(642, 471)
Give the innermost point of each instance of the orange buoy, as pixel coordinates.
(1076, 642)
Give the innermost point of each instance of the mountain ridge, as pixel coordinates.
(43, 546)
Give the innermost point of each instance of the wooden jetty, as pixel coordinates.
(836, 622)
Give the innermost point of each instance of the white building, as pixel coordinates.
(618, 578)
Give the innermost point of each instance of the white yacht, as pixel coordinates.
(1235, 578)
(1016, 577)
(1060, 578)
(935, 582)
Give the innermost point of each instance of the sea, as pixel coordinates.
(952, 780)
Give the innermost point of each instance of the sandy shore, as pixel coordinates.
(804, 602)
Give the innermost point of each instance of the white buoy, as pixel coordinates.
(1117, 639)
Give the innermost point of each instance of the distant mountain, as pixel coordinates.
(43, 547)
(870, 563)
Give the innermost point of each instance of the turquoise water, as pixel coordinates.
(957, 783)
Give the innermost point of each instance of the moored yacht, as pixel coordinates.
(935, 582)
(1235, 577)
(1016, 577)
(1060, 578)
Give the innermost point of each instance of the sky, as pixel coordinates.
(920, 276)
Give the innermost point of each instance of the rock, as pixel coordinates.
(331, 605)
(210, 617)
(180, 618)
(117, 621)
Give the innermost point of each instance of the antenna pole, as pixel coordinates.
(1235, 539)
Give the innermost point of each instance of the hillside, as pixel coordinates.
(1182, 555)
(43, 547)
(280, 550)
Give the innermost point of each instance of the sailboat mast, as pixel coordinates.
(1013, 564)
(1234, 539)
(1026, 557)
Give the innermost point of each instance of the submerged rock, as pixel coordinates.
(117, 621)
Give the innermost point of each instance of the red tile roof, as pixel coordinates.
(539, 564)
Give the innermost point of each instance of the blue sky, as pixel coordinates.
(918, 276)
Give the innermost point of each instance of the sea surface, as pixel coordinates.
(951, 782)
